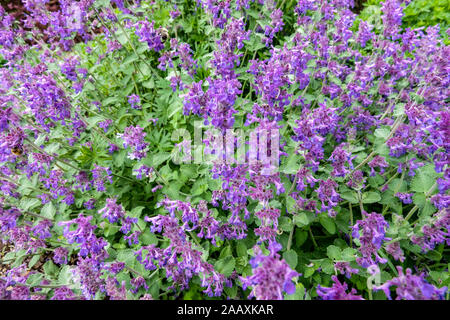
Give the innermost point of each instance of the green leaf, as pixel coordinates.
(424, 179)
(50, 268)
(35, 279)
(309, 271)
(225, 252)
(241, 249)
(350, 196)
(328, 224)
(292, 165)
(126, 256)
(148, 238)
(33, 261)
(159, 158)
(382, 133)
(300, 237)
(111, 229)
(174, 108)
(327, 266)
(290, 204)
(48, 210)
(371, 197)
(348, 254)
(225, 266)
(285, 224)
(334, 252)
(299, 293)
(136, 211)
(291, 258)
(434, 255)
(303, 218)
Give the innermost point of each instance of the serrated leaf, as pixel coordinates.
(327, 266)
(334, 252)
(48, 210)
(50, 268)
(299, 293)
(225, 266)
(371, 197)
(33, 261)
(34, 279)
(285, 224)
(434, 255)
(291, 258)
(159, 158)
(424, 179)
(350, 196)
(290, 204)
(382, 133)
(148, 238)
(301, 219)
(300, 237)
(348, 254)
(328, 224)
(126, 256)
(136, 211)
(241, 249)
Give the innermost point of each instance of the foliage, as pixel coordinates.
(103, 199)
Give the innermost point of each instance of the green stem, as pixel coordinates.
(312, 237)
(416, 207)
(351, 223)
(291, 234)
(361, 207)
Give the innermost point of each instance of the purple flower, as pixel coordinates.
(112, 211)
(395, 251)
(340, 159)
(134, 137)
(364, 33)
(267, 231)
(90, 204)
(271, 276)
(85, 237)
(89, 272)
(8, 219)
(114, 291)
(412, 287)
(42, 229)
(406, 198)
(377, 161)
(373, 228)
(133, 238)
(147, 33)
(328, 196)
(64, 293)
(105, 124)
(100, 175)
(134, 100)
(337, 291)
(60, 255)
(179, 259)
(68, 68)
(144, 171)
(137, 283)
(344, 268)
(275, 26)
(434, 233)
(392, 18)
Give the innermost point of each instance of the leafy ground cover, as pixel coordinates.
(223, 149)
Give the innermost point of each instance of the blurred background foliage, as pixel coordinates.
(418, 13)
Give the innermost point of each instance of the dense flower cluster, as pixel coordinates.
(312, 117)
(271, 276)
